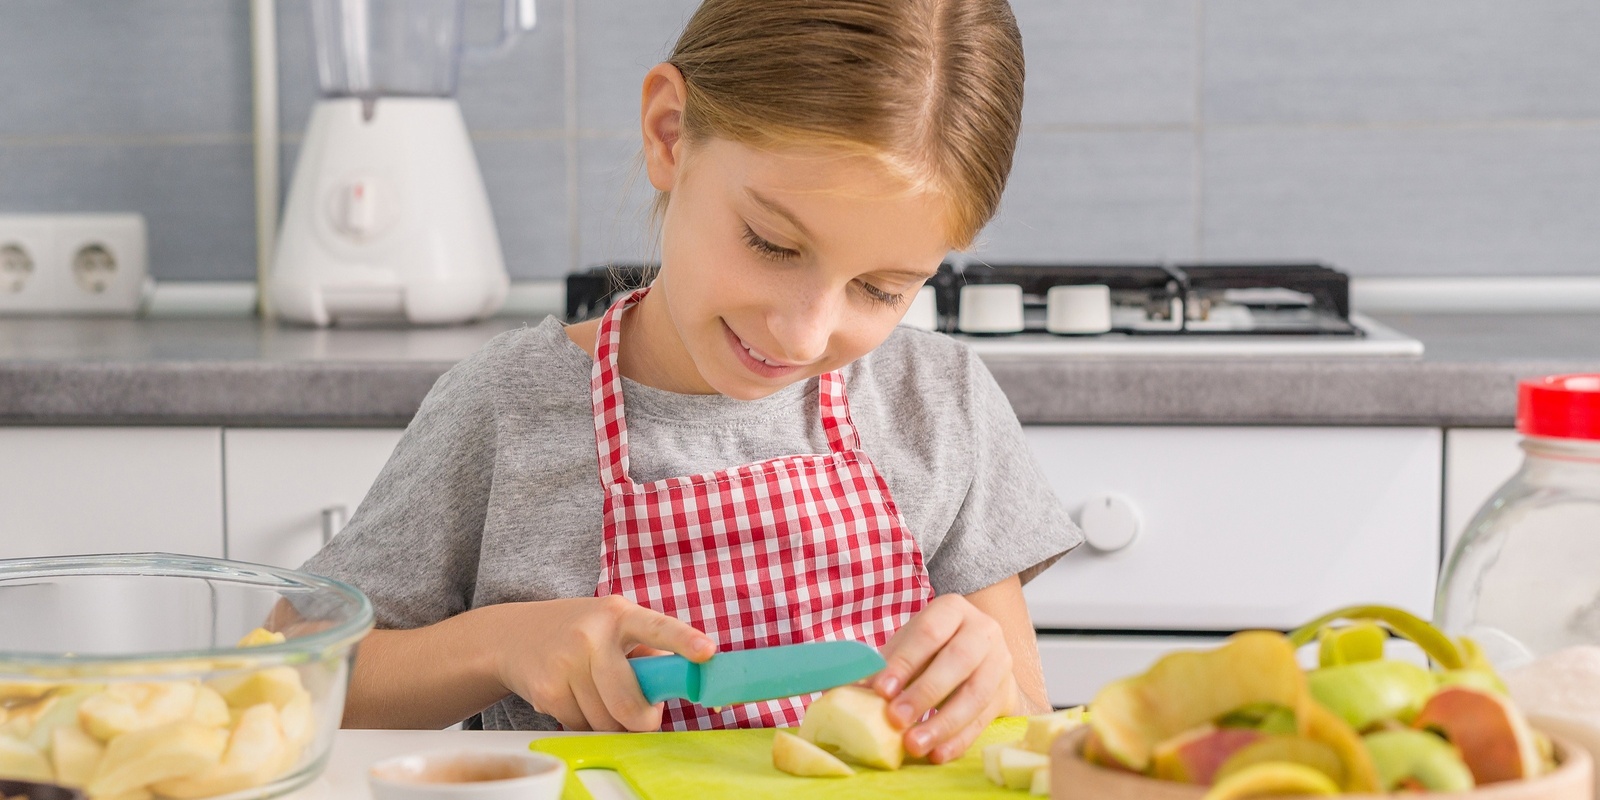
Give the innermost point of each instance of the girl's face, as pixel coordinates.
(777, 267)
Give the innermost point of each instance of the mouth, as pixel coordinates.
(755, 360)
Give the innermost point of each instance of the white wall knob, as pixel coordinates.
(1110, 521)
(1084, 308)
(924, 311)
(990, 308)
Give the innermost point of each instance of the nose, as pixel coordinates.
(803, 323)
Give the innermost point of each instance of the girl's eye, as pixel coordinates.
(767, 248)
(880, 296)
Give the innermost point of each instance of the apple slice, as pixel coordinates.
(797, 756)
(137, 759)
(1290, 749)
(22, 761)
(1195, 755)
(1493, 737)
(1041, 782)
(851, 722)
(127, 707)
(74, 754)
(1016, 767)
(275, 685)
(254, 757)
(1273, 779)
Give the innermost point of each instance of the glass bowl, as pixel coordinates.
(172, 676)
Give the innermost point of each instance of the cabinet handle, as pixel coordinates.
(1110, 521)
(333, 518)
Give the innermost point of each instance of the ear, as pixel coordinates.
(661, 117)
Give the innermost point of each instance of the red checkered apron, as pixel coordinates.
(802, 548)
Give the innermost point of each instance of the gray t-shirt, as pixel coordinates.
(493, 494)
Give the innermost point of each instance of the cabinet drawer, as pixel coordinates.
(1077, 666)
(69, 491)
(280, 481)
(1242, 527)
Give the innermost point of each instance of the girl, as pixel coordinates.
(572, 496)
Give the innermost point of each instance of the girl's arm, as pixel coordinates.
(567, 658)
(972, 658)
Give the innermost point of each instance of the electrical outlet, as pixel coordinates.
(73, 263)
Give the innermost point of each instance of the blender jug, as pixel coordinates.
(401, 48)
(387, 218)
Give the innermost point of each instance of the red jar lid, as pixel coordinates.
(1560, 407)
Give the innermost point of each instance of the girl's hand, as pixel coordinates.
(951, 657)
(568, 659)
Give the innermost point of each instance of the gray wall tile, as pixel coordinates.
(524, 90)
(126, 67)
(618, 42)
(196, 199)
(1090, 195)
(527, 184)
(614, 201)
(1421, 202)
(1109, 62)
(1394, 60)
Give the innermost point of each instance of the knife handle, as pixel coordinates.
(667, 677)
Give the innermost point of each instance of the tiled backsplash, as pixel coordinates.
(1390, 137)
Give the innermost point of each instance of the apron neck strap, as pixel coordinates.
(611, 425)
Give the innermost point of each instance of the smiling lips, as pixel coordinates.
(754, 360)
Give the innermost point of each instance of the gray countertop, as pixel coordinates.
(248, 373)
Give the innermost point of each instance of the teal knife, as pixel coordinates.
(763, 673)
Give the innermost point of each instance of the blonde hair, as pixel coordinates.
(932, 89)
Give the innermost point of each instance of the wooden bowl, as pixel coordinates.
(1072, 778)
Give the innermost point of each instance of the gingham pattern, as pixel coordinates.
(797, 549)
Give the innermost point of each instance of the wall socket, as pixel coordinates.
(73, 264)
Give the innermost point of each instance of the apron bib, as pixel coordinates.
(802, 548)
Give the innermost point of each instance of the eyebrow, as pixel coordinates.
(778, 208)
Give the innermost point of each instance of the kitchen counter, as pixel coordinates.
(242, 372)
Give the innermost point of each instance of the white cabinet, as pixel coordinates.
(1239, 527)
(67, 491)
(1476, 463)
(281, 481)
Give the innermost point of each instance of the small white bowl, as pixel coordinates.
(468, 775)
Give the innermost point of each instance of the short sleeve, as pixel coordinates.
(1010, 521)
(412, 545)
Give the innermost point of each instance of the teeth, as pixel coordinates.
(753, 353)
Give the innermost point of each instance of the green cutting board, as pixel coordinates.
(711, 765)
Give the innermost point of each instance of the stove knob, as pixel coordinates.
(1078, 309)
(1110, 522)
(991, 308)
(924, 311)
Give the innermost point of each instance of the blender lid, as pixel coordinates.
(1560, 406)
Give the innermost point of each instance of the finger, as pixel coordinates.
(619, 690)
(642, 626)
(967, 705)
(956, 662)
(564, 707)
(594, 708)
(913, 646)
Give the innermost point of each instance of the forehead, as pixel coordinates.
(829, 184)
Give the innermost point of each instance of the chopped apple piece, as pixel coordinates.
(1291, 749)
(210, 708)
(851, 722)
(22, 761)
(260, 636)
(275, 685)
(797, 756)
(1041, 782)
(299, 725)
(1044, 728)
(255, 755)
(1016, 766)
(12, 691)
(74, 754)
(137, 759)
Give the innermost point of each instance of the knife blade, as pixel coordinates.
(762, 673)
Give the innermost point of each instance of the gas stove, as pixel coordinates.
(1156, 310)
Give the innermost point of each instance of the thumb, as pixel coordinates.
(652, 629)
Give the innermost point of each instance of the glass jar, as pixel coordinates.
(1524, 580)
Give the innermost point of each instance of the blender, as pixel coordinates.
(387, 218)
